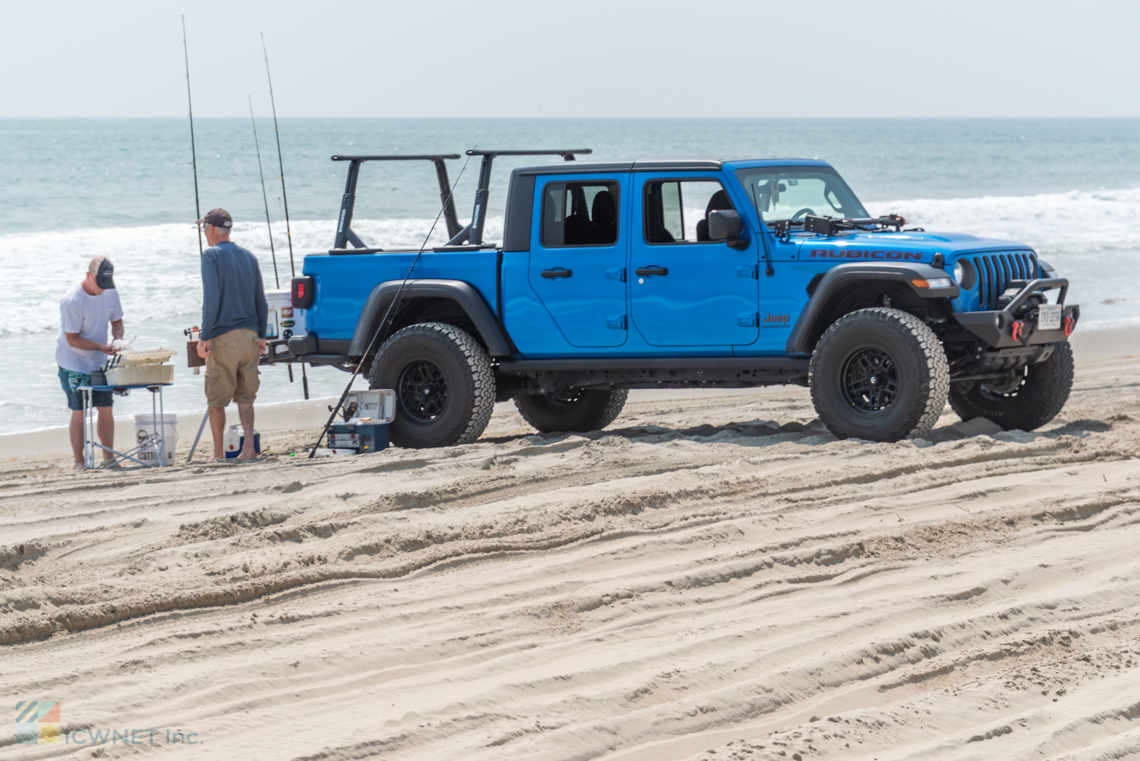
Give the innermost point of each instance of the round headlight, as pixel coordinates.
(965, 274)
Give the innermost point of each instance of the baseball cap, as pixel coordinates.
(103, 271)
(218, 218)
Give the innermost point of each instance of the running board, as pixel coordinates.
(551, 375)
(523, 366)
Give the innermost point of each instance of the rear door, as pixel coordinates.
(578, 255)
(686, 290)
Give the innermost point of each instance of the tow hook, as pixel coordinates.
(1017, 330)
(1068, 324)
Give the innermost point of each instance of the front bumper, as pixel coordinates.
(1006, 329)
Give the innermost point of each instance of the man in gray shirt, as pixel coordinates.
(232, 337)
(82, 347)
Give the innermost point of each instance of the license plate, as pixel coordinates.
(1049, 317)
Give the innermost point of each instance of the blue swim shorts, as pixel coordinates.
(71, 380)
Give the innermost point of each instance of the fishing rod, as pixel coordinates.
(280, 162)
(284, 198)
(391, 308)
(193, 150)
(197, 203)
(264, 197)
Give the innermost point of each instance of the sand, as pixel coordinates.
(713, 577)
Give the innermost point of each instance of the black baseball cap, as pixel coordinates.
(103, 271)
(218, 218)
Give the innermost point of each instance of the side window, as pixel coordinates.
(579, 214)
(676, 211)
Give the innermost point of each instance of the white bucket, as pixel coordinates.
(144, 427)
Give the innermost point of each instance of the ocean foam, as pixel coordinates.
(1092, 238)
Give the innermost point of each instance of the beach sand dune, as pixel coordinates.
(714, 577)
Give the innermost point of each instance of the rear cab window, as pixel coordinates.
(580, 214)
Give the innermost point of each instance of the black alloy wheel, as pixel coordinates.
(423, 391)
(870, 380)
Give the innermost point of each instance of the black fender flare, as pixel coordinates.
(463, 294)
(842, 277)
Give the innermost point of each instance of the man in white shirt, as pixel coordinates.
(82, 348)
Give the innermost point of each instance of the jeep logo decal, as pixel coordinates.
(854, 253)
(777, 320)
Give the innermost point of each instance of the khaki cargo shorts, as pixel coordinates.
(231, 368)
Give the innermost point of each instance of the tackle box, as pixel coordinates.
(367, 416)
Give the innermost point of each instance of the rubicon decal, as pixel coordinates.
(854, 253)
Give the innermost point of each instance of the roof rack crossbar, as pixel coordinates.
(566, 153)
(425, 157)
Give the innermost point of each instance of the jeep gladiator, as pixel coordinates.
(685, 274)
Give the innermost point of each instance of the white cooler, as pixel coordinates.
(283, 321)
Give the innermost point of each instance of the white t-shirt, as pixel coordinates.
(87, 315)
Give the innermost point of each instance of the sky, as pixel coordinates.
(588, 58)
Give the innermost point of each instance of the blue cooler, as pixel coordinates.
(362, 438)
(366, 429)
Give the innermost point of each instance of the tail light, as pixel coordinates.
(303, 292)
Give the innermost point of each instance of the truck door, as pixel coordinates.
(578, 256)
(686, 290)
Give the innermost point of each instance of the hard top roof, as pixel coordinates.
(661, 165)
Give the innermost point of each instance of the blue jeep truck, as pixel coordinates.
(685, 274)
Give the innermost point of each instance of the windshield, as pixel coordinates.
(792, 193)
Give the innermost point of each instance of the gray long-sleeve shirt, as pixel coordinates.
(233, 296)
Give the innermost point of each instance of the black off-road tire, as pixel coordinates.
(1041, 391)
(579, 411)
(445, 389)
(879, 374)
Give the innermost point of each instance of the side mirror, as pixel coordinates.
(726, 225)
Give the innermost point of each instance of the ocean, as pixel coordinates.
(71, 189)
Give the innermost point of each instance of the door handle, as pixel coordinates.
(643, 271)
(557, 273)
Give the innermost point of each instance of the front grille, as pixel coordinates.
(996, 270)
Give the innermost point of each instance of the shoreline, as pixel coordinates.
(1089, 346)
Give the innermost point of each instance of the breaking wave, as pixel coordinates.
(1090, 237)
(1093, 238)
(156, 267)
